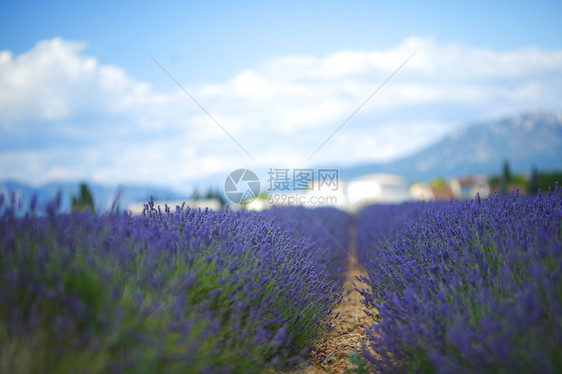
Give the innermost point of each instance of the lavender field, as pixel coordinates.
(471, 287)
(179, 291)
(465, 287)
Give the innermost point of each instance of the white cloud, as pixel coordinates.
(71, 116)
(55, 81)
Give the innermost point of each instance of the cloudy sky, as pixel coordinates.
(172, 93)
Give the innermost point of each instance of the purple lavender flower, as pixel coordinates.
(465, 287)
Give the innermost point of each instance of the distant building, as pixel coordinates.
(463, 188)
(442, 193)
(376, 188)
(467, 187)
(427, 192)
(421, 191)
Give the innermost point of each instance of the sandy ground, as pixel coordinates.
(331, 356)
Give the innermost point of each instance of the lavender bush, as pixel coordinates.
(184, 291)
(469, 287)
(326, 228)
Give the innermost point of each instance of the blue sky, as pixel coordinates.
(81, 99)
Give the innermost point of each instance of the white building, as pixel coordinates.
(376, 188)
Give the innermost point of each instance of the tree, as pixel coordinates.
(213, 193)
(438, 182)
(84, 201)
(533, 183)
(506, 177)
(546, 180)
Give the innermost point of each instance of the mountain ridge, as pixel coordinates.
(525, 140)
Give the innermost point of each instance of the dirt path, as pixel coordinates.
(331, 356)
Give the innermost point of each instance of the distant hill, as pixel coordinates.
(481, 148)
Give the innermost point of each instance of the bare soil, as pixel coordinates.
(331, 356)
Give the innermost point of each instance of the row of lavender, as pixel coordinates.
(473, 287)
(181, 291)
